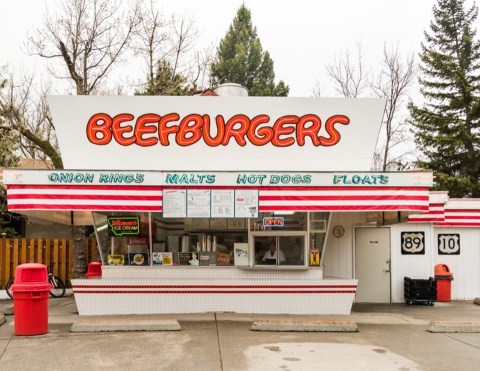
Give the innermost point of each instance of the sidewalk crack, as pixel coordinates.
(218, 342)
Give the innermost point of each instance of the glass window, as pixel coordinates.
(294, 221)
(123, 238)
(279, 250)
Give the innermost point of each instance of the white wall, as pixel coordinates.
(465, 267)
(414, 266)
(338, 256)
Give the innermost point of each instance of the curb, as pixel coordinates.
(304, 326)
(119, 325)
(454, 326)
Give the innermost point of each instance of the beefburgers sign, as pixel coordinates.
(216, 133)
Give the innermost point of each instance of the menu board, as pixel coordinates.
(246, 203)
(175, 203)
(223, 203)
(198, 203)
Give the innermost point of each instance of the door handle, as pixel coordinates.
(386, 270)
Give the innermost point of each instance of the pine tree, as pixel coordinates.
(447, 127)
(241, 59)
(166, 82)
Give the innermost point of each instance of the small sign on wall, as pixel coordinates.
(413, 243)
(449, 244)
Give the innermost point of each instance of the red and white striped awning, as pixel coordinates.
(149, 198)
(436, 209)
(444, 212)
(343, 198)
(84, 197)
(462, 213)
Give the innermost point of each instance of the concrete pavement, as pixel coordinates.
(390, 337)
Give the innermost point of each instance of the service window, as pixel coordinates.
(287, 248)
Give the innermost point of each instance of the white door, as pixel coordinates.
(372, 264)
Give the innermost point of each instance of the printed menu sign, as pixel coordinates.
(175, 203)
(198, 203)
(246, 203)
(223, 203)
(123, 225)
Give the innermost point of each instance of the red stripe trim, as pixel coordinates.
(83, 207)
(461, 217)
(84, 197)
(93, 187)
(426, 219)
(447, 210)
(340, 197)
(447, 224)
(338, 207)
(214, 286)
(207, 186)
(215, 292)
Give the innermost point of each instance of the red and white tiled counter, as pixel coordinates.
(149, 290)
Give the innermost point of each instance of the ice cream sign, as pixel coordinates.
(123, 226)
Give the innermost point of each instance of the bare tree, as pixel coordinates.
(317, 89)
(392, 83)
(350, 76)
(24, 111)
(88, 37)
(171, 43)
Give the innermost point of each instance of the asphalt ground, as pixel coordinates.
(390, 337)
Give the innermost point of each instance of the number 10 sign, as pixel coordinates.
(413, 243)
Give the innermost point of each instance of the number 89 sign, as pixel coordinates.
(413, 243)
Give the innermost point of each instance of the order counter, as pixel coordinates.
(185, 289)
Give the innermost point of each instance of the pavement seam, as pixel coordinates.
(218, 341)
(461, 341)
(6, 347)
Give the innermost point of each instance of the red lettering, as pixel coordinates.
(142, 128)
(99, 124)
(236, 128)
(151, 129)
(334, 134)
(261, 136)
(280, 130)
(189, 134)
(165, 130)
(118, 129)
(310, 131)
(209, 140)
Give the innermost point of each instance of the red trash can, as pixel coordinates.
(30, 299)
(444, 282)
(94, 270)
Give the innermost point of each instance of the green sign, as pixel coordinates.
(124, 225)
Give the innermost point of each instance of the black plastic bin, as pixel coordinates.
(418, 291)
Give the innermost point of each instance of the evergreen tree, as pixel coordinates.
(447, 127)
(166, 82)
(240, 59)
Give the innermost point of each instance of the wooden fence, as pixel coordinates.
(16, 251)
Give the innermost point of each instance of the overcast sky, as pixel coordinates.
(302, 36)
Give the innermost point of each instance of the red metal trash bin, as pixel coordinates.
(94, 270)
(30, 299)
(444, 282)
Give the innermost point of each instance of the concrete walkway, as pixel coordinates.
(390, 337)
